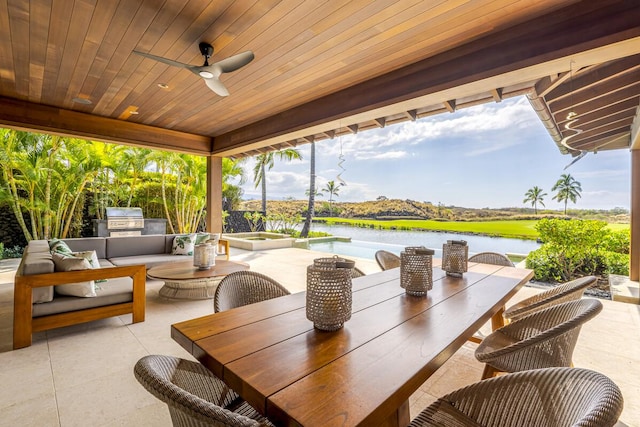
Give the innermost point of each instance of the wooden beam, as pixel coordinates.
(353, 128)
(43, 118)
(214, 194)
(412, 115)
(450, 105)
(624, 69)
(381, 122)
(497, 94)
(571, 30)
(330, 133)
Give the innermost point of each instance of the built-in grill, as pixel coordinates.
(124, 221)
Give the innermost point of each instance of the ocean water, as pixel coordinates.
(366, 241)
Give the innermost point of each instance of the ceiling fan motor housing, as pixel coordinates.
(206, 49)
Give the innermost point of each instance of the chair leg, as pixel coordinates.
(476, 339)
(489, 371)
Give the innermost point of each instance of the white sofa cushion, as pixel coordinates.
(72, 263)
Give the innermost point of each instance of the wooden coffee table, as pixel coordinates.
(184, 281)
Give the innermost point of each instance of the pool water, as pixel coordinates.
(365, 241)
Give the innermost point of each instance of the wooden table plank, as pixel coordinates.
(185, 333)
(252, 373)
(369, 383)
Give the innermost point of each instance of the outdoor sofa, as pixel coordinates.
(117, 284)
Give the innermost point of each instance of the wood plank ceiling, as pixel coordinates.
(321, 68)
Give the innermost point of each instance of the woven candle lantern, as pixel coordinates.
(416, 270)
(454, 257)
(329, 292)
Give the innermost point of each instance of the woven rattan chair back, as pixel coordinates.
(387, 260)
(356, 272)
(543, 339)
(569, 291)
(491, 258)
(553, 397)
(194, 395)
(245, 287)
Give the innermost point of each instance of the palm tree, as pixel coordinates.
(568, 189)
(332, 189)
(265, 162)
(534, 196)
(312, 191)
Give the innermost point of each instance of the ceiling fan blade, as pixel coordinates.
(216, 85)
(236, 61)
(163, 60)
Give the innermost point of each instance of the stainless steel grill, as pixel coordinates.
(125, 221)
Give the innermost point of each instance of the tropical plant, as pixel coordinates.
(255, 220)
(332, 189)
(575, 248)
(534, 195)
(568, 189)
(265, 162)
(312, 192)
(47, 181)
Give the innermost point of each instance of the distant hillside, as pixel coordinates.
(410, 209)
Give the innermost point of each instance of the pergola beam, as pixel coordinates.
(572, 30)
(36, 117)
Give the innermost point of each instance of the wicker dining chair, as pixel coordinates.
(387, 260)
(569, 291)
(356, 272)
(194, 395)
(552, 397)
(543, 339)
(245, 287)
(488, 258)
(491, 258)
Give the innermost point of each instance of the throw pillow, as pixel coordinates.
(71, 263)
(202, 237)
(92, 257)
(59, 246)
(183, 244)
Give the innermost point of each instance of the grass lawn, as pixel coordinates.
(524, 229)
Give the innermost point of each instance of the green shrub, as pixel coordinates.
(15, 252)
(575, 248)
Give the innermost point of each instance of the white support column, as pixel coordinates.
(634, 267)
(214, 194)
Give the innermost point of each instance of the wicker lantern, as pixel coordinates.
(329, 292)
(454, 257)
(416, 271)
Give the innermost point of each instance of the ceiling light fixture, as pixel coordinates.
(133, 112)
(84, 101)
(163, 86)
(206, 74)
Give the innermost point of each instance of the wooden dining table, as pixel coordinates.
(362, 374)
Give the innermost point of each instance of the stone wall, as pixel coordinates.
(237, 223)
(10, 232)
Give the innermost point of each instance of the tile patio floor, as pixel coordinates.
(82, 375)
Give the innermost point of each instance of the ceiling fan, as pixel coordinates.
(210, 73)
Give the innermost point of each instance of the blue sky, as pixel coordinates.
(484, 156)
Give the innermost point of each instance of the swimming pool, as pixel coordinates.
(365, 242)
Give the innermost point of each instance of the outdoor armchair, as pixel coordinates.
(245, 287)
(387, 260)
(552, 397)
(488, 258)
(569, 291)
(194, 395)
(491, 258)
(543, 339)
